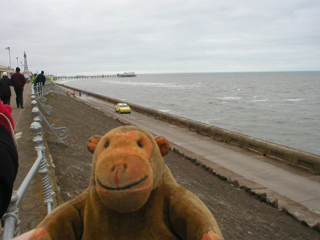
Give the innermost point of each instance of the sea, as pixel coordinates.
(280, 107)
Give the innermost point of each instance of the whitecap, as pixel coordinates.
(260, 100)
(228, 98)
(293, 100)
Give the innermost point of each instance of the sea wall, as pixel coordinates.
(305, 160)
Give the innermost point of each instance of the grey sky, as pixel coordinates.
(73, 37)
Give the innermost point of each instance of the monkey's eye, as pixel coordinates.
(140, 144)
(107, 144)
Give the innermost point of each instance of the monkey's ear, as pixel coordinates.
(163, 144)
(93, 142)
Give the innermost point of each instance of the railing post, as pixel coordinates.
(43, 168)
(44, 173)
(10, 221)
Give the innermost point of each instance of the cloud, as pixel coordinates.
(101, 37)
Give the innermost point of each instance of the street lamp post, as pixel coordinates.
(17, 62)
(8, 48)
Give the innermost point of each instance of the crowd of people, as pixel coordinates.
(17, 81)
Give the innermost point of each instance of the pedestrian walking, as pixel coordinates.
(41, 78)
(34, 78)
(40, 82)
(18, 81)
(5, 91)
(33, 81)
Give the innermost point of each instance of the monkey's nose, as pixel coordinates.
(119, 172)
(118, 167)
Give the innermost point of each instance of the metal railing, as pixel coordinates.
(40, 92)
(10, 220)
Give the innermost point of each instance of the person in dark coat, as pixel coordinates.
(8, 157)
(41, 78)
(18, 81)
(5, 91)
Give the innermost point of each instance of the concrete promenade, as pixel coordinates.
(288, 187)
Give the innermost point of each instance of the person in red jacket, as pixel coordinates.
(18, 81)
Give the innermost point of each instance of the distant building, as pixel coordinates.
(26, 71)
(127, 74)
(6, 69)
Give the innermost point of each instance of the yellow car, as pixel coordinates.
(123, 108)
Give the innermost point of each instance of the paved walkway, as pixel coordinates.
(32, 208)
(272, 177)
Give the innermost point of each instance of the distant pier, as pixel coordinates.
(87, 77)
(119, 75)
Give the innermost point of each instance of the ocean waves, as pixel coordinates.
(280, 107)
(151, 84)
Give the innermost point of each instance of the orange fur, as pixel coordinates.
(132, 195)
(163, 145)
(211, 236)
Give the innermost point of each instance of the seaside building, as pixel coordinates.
(6, 69)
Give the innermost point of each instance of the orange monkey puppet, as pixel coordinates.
(132, 195)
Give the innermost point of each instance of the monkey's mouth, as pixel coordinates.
(123, 188)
